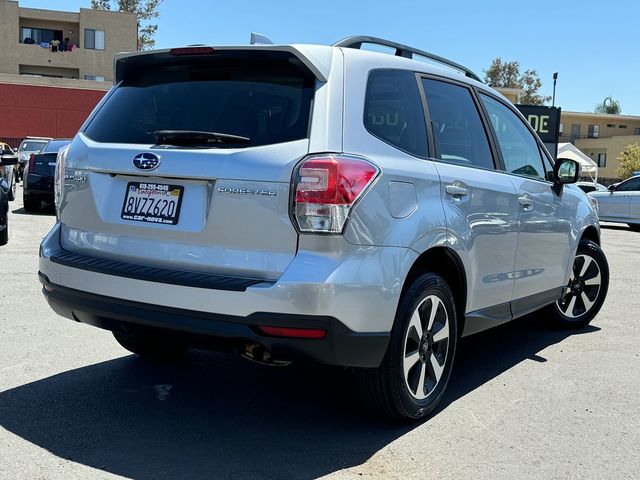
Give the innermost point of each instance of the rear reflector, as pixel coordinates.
(293, 332)
(192, 51)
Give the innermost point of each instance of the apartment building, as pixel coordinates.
(600, 136)
(56, 66)
(58, 44)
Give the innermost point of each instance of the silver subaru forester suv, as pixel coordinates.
(316, 203)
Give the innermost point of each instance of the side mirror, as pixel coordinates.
(566, 171)
(612, 188)
(8, 159)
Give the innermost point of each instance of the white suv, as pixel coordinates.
(316, 203)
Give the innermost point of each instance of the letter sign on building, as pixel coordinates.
(546, 122)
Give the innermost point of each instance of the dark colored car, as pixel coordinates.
(38, 175)
(7, 160)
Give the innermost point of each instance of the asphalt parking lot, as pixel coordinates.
(525, 400)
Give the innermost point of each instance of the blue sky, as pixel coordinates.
(594, 45)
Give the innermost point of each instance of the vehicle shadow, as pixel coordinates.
(218, 416)
(48, 211)
(616, 226)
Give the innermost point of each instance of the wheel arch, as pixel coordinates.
(591, 233)
(447, 264)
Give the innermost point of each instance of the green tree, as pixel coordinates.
(503, 74)
(629, 161)
(145, 10)
(610, 106)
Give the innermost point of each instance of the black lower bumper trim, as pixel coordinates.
(153, 274)
(340, 346)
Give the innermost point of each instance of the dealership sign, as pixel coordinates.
(545, 121)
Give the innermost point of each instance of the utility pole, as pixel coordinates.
(555, 77)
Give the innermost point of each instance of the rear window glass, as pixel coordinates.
(265, 97)
(32, 145)
(54, 145)
(393, 110)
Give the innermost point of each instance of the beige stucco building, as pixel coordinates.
(94, 37)
(600, 136)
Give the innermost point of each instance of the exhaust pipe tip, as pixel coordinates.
(258, 353)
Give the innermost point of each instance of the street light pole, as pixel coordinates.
(555, 77)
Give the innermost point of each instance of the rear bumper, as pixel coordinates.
(38, 187)
(350, 291)
(340, 346)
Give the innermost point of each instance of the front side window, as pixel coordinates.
(93, 39)
(519, 147)
(393, 111)
(631, 185)
(458, 132)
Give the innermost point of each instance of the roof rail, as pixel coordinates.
(403, 51)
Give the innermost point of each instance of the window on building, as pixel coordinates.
(594, 131)
(622, 126)
(636, 131)
(602, 160)
(611, 125)
(561, 129)
(93, 39)
(38, 36)
(97, 78)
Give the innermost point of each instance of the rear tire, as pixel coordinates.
(30, 205)
(587, 289)
(634, 226)
(410, 381)
(4, 235)
(12, 190)
(159, 348)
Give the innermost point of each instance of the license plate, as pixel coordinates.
(152, 202)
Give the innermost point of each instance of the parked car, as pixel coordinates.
(9, 171)
(620, 203)
(316, 203)
(7, 162)
(28, 146)
(587, 187)
(38, 176)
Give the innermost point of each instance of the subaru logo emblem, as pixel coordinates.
(146, 161)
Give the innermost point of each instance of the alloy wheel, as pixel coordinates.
(426, 345)
(584, 286)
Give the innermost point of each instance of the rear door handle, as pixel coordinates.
(525, 201)
(456, 191)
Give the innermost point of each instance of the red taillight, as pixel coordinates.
(192, 51)
(326, 186)
(32, 162)
(312, 333)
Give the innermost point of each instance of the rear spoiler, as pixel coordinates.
(317, 58)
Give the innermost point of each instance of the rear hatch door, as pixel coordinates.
(145, 186)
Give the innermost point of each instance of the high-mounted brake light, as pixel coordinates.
(192, 51)
(326, 187)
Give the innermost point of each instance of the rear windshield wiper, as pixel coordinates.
(195, 138)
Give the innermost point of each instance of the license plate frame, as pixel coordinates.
(157, 212)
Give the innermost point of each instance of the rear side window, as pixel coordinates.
(393, 111)
(263, 96)
(458, 132)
